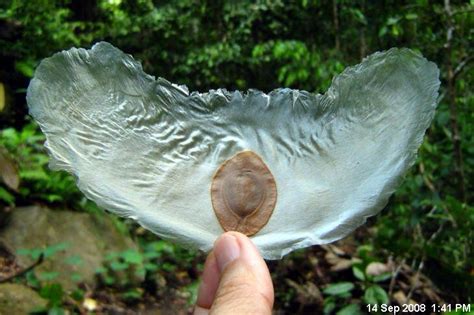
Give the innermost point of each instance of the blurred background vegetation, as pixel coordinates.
(417, 250)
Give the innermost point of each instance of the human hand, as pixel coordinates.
(235, 280)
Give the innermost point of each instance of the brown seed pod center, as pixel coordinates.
(243, 193)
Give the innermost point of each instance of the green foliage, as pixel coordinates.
(46, 252)
(38, 182)
(297, 64)
(351, 309)
(6, 196)
(122, 268)
(375, 295)
(367, 288)
(341, 289)
(133, 294)
(39, 279)
(54, 294)
(338, 293)
(45, 281)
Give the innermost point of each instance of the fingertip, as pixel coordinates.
(226, 250)
(250, 254)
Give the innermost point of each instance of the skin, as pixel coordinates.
(235, 280)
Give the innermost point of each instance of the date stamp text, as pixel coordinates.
(418, 308)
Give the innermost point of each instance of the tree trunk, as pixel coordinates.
(451, 86)
(335, 19)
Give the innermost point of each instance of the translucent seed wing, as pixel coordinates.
(148, 149)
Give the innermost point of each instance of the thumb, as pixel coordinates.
(245, 285)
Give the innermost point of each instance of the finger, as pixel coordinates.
(209, 283)
(245, 285)
(251, 255)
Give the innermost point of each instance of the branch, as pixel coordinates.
(22, 272)
(394, 278)
(335, 18)
(451, 85)
(462, 11)
(460, 67)
(415, 280)
(432, 188)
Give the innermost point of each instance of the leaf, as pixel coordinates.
(352, 309)
(53, 198)
(25, 67)
(133, 294)
(32, 280)
(48, 276)
(8, 170)
(118, 266)
(382, 277)
(11, 136)
(33, 253)
(140, 272)
(23, 252)
(151, 255)
(111, 256)
(34, 174)
(53, 249)
(132, 257)
(74, 260)
(339, 288)
(56, 310)
(53, 293)
(359, 16)
(396, 30)
(109, 280)
(329, 305)
(6, 196)
(100, 270)
(358, 273)
(364, 251)
(392, 20)
(150, 267)
(375, 295)
(160, 247)
(76, 277)
(192, 290)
